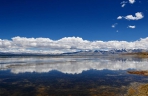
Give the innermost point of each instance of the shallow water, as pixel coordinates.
(72, 76)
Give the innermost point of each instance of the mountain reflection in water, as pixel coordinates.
(72, 76)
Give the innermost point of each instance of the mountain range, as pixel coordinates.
(88, 52)
(105, 52)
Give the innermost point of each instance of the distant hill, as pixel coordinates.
(83, 53)
(104, 52)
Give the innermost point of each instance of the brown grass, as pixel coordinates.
(138, 54)
(145, 73)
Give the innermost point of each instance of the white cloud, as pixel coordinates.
(137, 16)
(132, 1)
(131, 26)
(114, 25)
(123, 3)
(119, 17)
(66, 44)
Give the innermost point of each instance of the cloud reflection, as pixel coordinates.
(70, 65)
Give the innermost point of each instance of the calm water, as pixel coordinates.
(72, 76)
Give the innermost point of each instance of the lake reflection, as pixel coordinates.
(72, 76)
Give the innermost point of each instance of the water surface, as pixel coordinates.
(72, 76)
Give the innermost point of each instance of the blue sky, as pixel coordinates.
(56, 21)
(88, 19)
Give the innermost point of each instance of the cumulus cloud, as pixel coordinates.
(137, 16)
(66, 44)
(132, 1)
(131, 26)
(114, 25)
(119, 17)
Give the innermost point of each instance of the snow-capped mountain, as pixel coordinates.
(87, 52)
(105, 52)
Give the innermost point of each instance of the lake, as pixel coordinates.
(72, 76)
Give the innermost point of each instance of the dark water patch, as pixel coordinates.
(55, 83)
